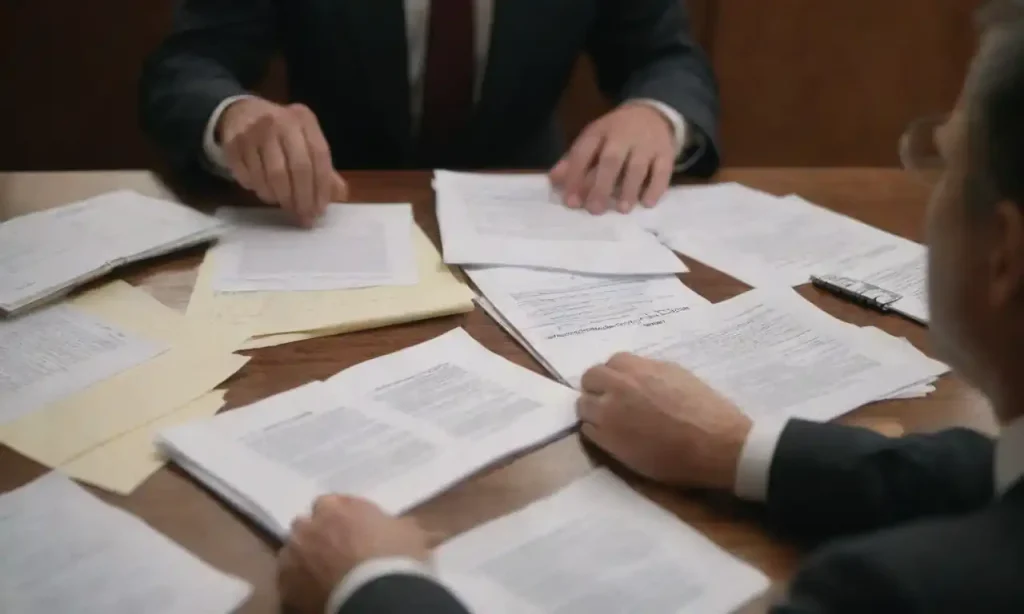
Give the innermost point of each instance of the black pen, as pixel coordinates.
(857, 291)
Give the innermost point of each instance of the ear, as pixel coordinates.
(1006, 254)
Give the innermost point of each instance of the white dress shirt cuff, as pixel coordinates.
(212, 149)
(754, 469)
(679, 128)
(368, 572)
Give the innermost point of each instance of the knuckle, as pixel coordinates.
(613, 156)
(620, 359)
(319, 150)
(264, 124)
(277, 170)
(300, 110)
(302, 166)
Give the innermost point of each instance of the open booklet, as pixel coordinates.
(46, 254)
(397, 430)
(595, 546)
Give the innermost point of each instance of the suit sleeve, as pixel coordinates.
(843, 582)
(828, 479)
(644, 49)
(216, 49)
(402, 594)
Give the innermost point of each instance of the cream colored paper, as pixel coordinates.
(313, 314)
(269, 341)
(199, 360)
(124, 463)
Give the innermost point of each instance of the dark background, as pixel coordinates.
(803, 82)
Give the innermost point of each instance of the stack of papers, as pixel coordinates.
(516, 220)
(770, 351)
(45, 254)
(595, 546)
(83, 383)
(281, 314)
(552, 313)
(352, 246)
(66, 551)
(905, 273)
(767, 241)
(396, 430)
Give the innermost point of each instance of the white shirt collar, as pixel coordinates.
(1009, 462)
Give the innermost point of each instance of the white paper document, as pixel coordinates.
(763, 240)
(517, 220)
(397, 430)
(66, 551)
(904, 272)
(897, 350)
(352, 246)
(46, 253)
(553, 312)
(775, 355)
(58, 351)
(597, 547)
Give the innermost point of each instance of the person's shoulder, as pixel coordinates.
(951, 564)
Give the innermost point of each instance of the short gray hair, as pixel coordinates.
(995, 105)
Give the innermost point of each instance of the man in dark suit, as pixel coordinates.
(928, 523)
(393, 84)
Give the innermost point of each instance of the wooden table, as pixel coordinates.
(174, 505)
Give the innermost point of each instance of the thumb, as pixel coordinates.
(339, 189)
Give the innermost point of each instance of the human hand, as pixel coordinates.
(342, 533)
(661, 421)
(280, 153)
(630, 150)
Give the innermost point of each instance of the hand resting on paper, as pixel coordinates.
(663, 422)
(624, 158)
(342, 533)
(280, 153)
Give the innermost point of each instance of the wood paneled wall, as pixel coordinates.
(834, 82)
(803, 82)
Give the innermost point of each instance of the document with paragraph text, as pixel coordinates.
(595, 546)
(352, 246)
(397, 430)
(516, 220)
(67, 551)
(776, 355)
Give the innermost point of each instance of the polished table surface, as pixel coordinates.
(174, 505)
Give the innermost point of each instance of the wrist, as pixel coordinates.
(234, 109)
(730, 450)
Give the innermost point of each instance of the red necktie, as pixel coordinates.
(447, 78)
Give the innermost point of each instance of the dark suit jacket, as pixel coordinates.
(913, 526)
(347, 60)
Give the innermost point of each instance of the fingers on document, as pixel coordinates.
(579, 162)
(590, 408)
(606, 176)
(285, 160)
(327, 185)
(634, 176)
(660, 178)
(597, 380)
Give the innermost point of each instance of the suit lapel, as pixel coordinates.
(377, 31)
